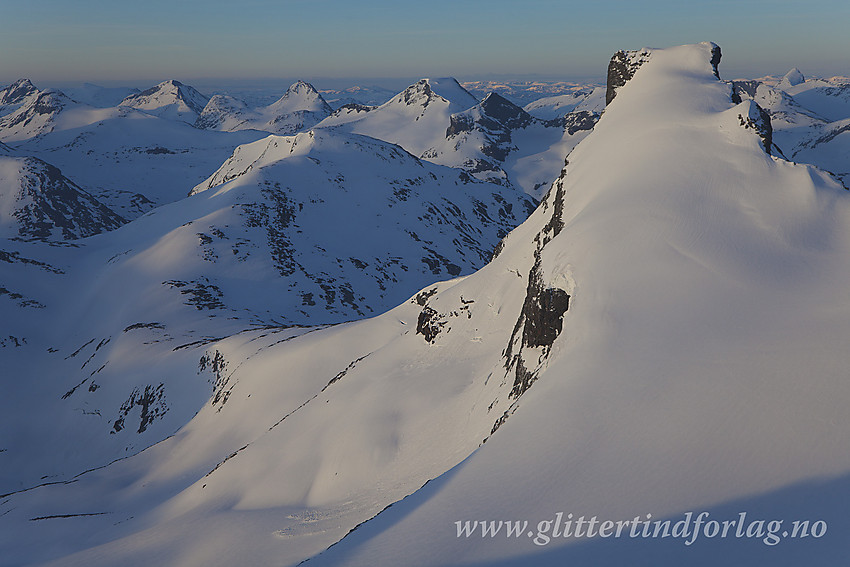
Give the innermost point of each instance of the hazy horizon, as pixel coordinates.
(54, 42)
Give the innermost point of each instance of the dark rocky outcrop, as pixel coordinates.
(580, 120)
(743, 89)
(429, 324)
(151, 400)
(759, 120)
(621, 69)
(715, 59)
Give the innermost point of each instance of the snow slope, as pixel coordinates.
(268, 248)
(665, 333)
(701, 365)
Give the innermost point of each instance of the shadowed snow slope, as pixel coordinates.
(666, 333)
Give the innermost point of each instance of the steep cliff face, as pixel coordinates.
(621, 69)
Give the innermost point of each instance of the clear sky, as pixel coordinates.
(152, 40)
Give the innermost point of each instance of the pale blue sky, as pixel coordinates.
(143, 41)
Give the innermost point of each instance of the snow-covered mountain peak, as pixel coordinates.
(300, 96)
(791, 78)
(504, 111)
(300, 108)
(426, 91)
(16, 92)
(169, 99)
(35, 115)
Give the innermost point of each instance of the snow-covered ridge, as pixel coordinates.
(301, 107)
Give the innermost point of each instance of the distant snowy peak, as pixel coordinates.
(480, 139)
(170, 99)
(37, 201)
(300, 108)
(16, 92)
(223, 112)
(35, 116)
(792, 78)
(495, 114)
(426, 91)
(301, 96)
(416, 118)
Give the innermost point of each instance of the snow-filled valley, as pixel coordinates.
(238, 334)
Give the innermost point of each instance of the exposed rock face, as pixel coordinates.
(758, 119)
(44, 204)
(743, 89)
(541, 318)
(36, 114)
(715, 59)
(16, 92)
(621, 69)
(579, 121)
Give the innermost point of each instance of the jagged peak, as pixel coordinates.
(167, 93)
(300, 86)
(426, 90)
(17, 91)
(498, 107)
